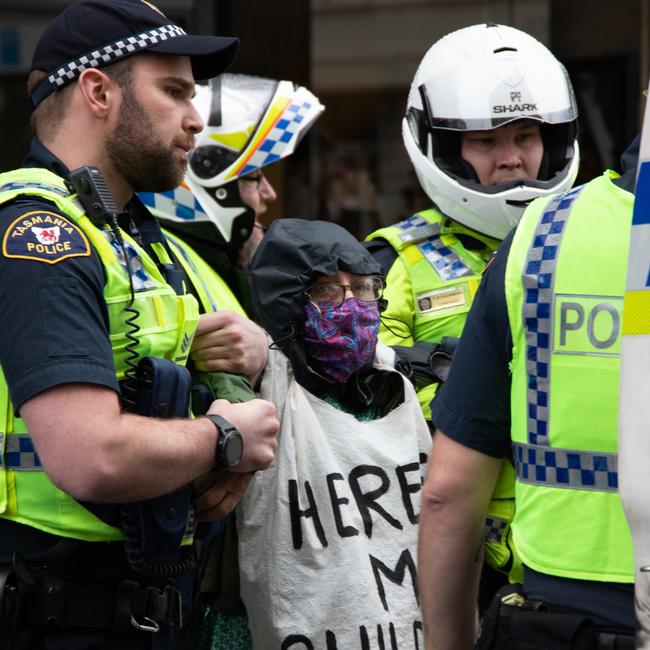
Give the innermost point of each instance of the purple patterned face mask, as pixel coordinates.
(341, 339)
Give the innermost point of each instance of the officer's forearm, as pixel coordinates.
(450, 542)
(94, 452)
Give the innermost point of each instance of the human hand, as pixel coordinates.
(218, 492)
(229, 342)
(258, 426)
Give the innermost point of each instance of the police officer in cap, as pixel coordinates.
(95, 325)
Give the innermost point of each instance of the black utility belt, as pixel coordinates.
(514, 623)
(43, 599)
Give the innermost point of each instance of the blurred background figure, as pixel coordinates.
(358, 59)
(350, 196)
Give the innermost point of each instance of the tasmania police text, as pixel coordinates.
(39, 219)
(44, 236)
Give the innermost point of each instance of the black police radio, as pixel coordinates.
(92, 191)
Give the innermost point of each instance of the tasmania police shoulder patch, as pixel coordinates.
(45, 237)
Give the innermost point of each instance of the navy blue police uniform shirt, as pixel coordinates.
(55, 322)
(473, 406)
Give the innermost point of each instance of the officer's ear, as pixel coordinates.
(98, 90)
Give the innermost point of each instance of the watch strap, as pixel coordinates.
(224, 430)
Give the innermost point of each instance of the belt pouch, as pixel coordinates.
(536, 630)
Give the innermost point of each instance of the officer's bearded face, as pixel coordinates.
(137, 152)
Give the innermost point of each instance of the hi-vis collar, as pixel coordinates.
(44, 236)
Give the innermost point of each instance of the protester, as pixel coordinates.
(327, 538)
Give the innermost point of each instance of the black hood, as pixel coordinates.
(292, 253)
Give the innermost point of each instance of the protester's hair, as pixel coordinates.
(48, 115)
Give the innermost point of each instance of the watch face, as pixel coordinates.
(233, 448)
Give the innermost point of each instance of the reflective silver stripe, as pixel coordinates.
(538, 279)
(444, 259)
(420, 233)
(19, 453)
(566, 468)
(494, 529)
(37, 185)
(417, 228)
(25, 185)
(190, 526)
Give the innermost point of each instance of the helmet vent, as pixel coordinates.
(505, 49)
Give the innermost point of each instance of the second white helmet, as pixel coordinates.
(250, 122)
(480, 78)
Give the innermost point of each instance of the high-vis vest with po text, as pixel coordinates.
(565, 279)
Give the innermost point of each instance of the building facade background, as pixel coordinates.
(359, 57)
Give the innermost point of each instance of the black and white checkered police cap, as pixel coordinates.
(96, 33)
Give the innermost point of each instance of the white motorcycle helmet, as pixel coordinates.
(250, 122)
(480, 78)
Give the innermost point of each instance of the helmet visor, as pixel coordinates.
(450, 101)
(228, 129)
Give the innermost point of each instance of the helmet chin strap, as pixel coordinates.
(227, 199)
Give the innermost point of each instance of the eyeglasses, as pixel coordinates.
(330, 295)
(254, 178)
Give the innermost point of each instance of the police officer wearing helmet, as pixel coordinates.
(87, 296)
(212, 226)
(490, 125)
(537, 370)
(250, 123)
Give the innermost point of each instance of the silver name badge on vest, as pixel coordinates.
(443, 299)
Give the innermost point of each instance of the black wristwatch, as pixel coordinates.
(230, 445)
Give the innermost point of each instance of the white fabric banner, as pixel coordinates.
(328, 534)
